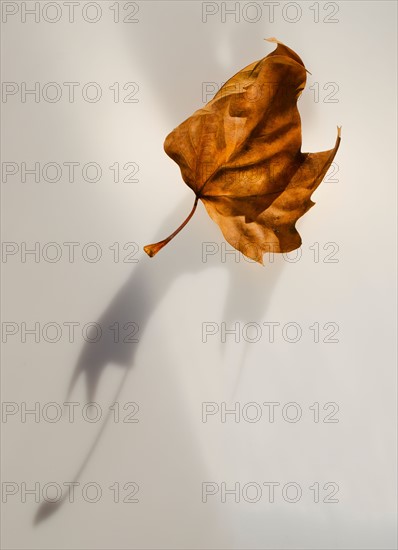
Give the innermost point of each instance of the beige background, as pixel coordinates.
(170, 452)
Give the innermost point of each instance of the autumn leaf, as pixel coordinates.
(241, 155)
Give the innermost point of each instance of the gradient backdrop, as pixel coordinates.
(194, 400)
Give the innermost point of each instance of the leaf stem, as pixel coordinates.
(152, 249)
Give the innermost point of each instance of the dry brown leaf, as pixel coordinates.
(241, 155)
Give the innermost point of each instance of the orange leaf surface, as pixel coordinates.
(241, 155)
